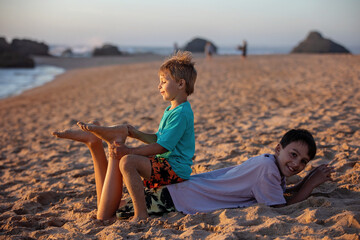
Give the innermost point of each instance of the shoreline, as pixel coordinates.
(69, 63)
(16, 81)
(75, 63)
(78, 63)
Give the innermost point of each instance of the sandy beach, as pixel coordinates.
(241, 109)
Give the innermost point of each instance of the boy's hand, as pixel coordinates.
(137, 134)
(117, 151)
(320, 175)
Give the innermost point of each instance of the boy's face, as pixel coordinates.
(168, 87)
(293, 158)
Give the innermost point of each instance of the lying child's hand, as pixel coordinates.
(320, 175)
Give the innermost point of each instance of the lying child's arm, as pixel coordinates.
(144, 137)
(297, 187)
(316, 177)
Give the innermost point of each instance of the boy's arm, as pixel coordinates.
(144, 137)
(146, 150)
(316, 177)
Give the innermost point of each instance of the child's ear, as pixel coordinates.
(277, 149)
(182, 83)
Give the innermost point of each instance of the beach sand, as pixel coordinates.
(241, 109)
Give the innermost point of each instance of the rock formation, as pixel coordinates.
(198, 45)
(107, 50)
(315, 43)
(28, 47)
(14, 60)
(67, 53)
(3, 45)
(11, 58)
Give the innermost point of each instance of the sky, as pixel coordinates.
(164, 22)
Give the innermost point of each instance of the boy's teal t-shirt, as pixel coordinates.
(176, 134)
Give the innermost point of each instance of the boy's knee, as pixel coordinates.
(126, 163)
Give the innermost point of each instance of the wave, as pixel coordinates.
(16, 81)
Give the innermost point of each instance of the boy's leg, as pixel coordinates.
(111, 134)
(97, 152)
(133, 167)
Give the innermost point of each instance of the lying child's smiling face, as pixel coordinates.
(293, 158)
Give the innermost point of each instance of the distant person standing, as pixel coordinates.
(176, 47)
(209, 50)
(243, 48)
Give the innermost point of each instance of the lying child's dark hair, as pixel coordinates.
(300, 135)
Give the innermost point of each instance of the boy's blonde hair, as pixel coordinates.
(180, 66)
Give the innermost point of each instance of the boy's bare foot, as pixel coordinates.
(113, 134)
(78, 135)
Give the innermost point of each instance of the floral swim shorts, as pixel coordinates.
(161, 173)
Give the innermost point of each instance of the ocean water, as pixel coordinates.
(85, 51)
(15, 81)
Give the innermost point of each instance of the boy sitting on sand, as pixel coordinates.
(260, 179)
(167, 157)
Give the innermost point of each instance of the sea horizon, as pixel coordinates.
(83, 50)
(86, 50)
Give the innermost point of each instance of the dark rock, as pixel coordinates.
(28, 47)
(67, 53)
(198, 45)
(315, 43)
(107, 50)
(4, 46)
(15, 60)
(11, 59)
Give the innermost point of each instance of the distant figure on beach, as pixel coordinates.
(243, 48)
(176, 47)
(167, 157)
(259, 180)
(209, 50)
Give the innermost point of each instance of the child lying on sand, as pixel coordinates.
(260, 179)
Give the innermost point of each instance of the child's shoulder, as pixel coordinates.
(184, 108)
(265, 161)
(185, 105)
(266, 157)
